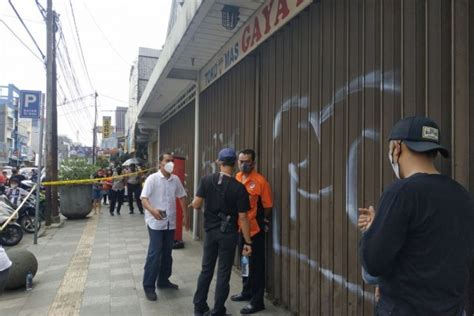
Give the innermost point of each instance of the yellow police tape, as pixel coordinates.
(91, 181)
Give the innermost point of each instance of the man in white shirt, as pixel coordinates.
(5, 265)
(159, 200)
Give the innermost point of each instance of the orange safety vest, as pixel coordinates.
(257, 187)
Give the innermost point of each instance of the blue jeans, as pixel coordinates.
(158, 261)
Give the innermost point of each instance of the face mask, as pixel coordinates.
(169, 167)
(14, 186)
(395, 166)
(245, 167)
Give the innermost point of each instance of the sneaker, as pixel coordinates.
(151, 296)
(131, 212)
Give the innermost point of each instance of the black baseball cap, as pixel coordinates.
(419, 133)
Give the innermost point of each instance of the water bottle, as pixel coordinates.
(244, 264)
(29, 281)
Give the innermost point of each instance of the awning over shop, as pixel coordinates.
(195, 38)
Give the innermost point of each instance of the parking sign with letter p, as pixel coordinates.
(30, 104)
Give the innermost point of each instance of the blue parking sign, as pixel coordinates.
(30, 104)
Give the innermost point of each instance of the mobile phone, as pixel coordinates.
(163, 214)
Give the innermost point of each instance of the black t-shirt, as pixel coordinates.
(421, 245)
(235, 196)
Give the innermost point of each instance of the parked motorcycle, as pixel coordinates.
(13, 232)
(27, 212)
(26, 217)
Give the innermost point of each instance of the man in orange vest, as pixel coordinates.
(261, 203)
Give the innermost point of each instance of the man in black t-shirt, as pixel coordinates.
(226, 201)
(420, 242)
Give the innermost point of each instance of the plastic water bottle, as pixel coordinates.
(244, 264)
(29, 281)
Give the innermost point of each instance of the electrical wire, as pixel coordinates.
(105, 36)
(72, 122)
(23, 43)
(15, 17)
(73, 111)
(68, 69)
(112, 98)
(26, 28)
(73, 95)
(80, 45)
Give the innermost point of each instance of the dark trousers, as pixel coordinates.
(3, 279)
(134, 189)
(116, 198)
(216, 245)
(254, 284)
(158, 261)
(105, 196)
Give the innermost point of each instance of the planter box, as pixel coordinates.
(76, 201)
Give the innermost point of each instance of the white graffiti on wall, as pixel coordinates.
(352, 174)
(208, 159)
(375, 80)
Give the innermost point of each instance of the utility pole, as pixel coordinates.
(94, 130)
(52, 211)
(17, 137)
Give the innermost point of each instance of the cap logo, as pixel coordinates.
(430, 133)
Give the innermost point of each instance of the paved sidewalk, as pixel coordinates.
(74, 279)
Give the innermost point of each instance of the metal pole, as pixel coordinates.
(54, 134)
(17, 145)
(40, 165)
(196, 155)
(94, 130)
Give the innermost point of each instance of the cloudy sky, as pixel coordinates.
(110, 32)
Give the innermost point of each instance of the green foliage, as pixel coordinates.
(102, 162)
(76, 169)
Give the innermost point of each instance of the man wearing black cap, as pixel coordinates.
(420, 242)
(226, 201)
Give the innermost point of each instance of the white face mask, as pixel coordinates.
(169, 167)
(395, 166)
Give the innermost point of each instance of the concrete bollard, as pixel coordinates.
(23, 261)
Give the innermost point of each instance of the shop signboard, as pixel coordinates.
(270, 17)
(106, 130)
